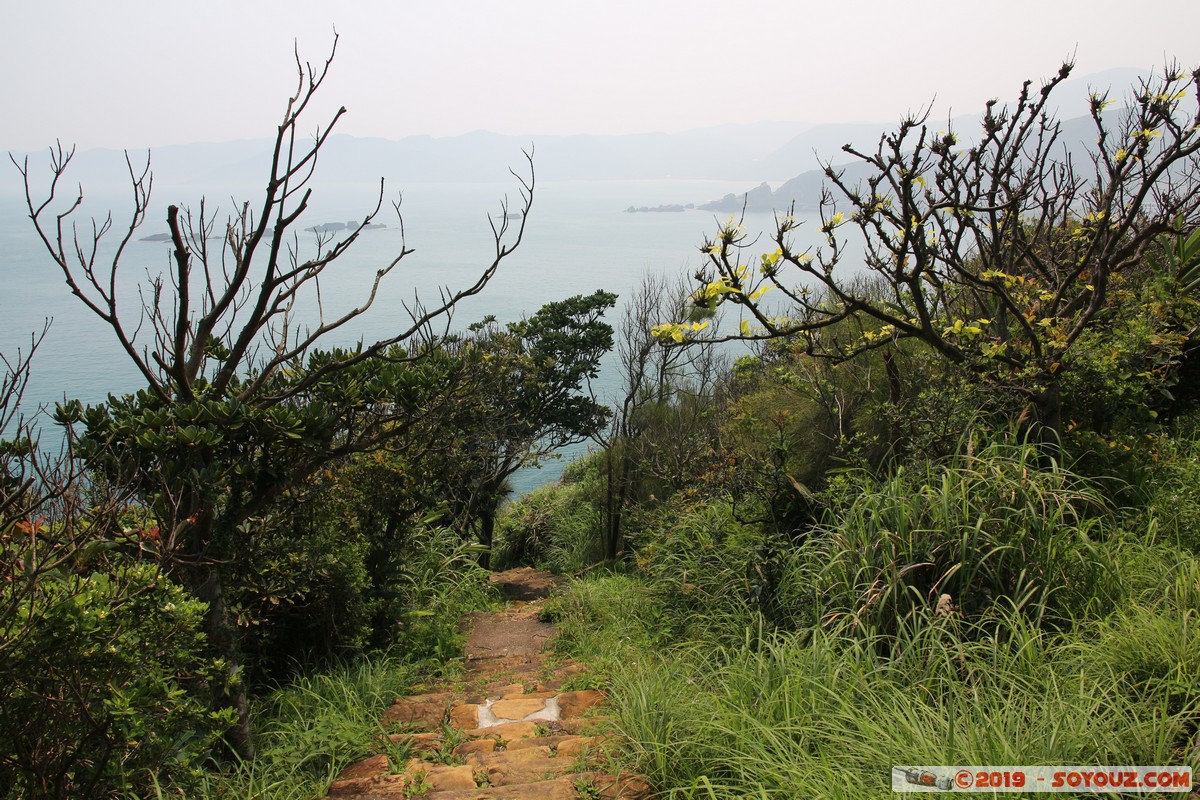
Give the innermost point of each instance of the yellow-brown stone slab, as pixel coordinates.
(507, 730)
(522, 766)
(422, 711)
(475, 747)
(443, 778)
(367, 768)
(464, 716)
(539, 741)
(572, 746)
(516, 709)
(573, 704)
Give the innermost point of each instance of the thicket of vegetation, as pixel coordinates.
(946, 512)
(268, 507)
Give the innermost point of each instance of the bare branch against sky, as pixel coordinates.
(122, 73)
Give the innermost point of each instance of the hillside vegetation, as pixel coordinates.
(945, 511)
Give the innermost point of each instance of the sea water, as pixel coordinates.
(578, 238)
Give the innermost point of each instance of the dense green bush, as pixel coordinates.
(301, 590)
(103, 686)
(1126, 366)
(999, 527)
(556, 527)
(327, 717)
(823, 712)
(327, 576)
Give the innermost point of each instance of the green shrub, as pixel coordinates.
(439, 581)
(996, 528)
(320, 581)
(102, 686)
(301, 588)
(556, 527)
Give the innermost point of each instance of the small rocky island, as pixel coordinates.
(758, 198)
(327, 227)
(332, 227)
(671, 208)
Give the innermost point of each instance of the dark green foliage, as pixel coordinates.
(564, 341)
(103, 686)
(532, 395)
(321, 581)
(301, 593)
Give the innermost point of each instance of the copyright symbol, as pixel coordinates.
(963, 779)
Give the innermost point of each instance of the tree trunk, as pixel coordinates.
(616, 491)
(222, 639)
(611, 514)
(487, 532)
(1048, 405)
(615, 545)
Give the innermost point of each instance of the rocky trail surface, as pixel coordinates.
(510, 729)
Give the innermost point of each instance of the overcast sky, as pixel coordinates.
(118, 73)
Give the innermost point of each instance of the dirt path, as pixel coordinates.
(511, 729)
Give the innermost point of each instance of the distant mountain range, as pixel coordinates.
(803, 192)
(737, 152)
(823, 144)
(788, 154)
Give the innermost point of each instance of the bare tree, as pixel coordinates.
(658, 428)
(998, 256)
(240, 403)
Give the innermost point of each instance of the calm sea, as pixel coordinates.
(578, 239)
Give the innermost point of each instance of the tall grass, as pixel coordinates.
(997, 528)
(712, 573)
(440, 580)
(310, 730)
(1065, 638)
(822, 713)
(556, 527)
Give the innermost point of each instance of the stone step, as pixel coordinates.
(516, 734)
(567, 787)
(483, 776)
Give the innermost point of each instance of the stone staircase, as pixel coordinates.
(510, 730)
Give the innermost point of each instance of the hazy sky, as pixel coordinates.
(118, 73)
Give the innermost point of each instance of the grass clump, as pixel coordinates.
(998, 526)
(555, 527)
(311, 729)
(826, 712)
(1068, 635)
